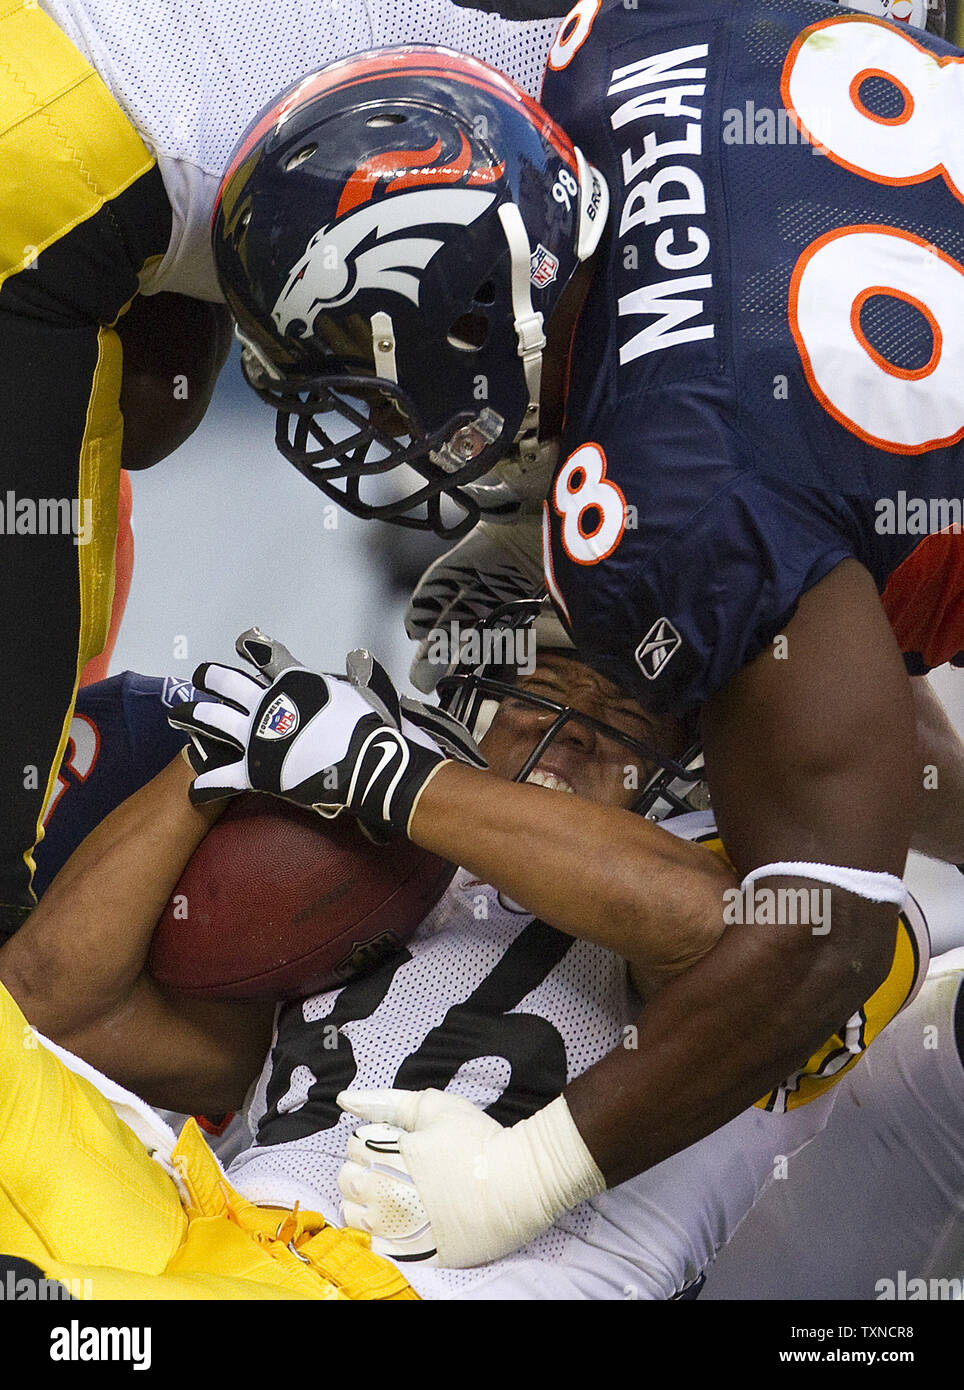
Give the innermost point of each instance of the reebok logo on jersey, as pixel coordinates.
(656, 648)
(280, 719)
(176, 691)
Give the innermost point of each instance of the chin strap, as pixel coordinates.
(383, 346)
(528, 323)
(251, 353)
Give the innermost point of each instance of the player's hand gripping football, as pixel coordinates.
(330, 743)
(434, 1178)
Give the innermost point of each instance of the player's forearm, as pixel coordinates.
(595, 872)
(82, 949)
(809, 759)
(939, 823)
(720, 1036)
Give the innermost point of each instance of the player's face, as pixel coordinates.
(579, 759)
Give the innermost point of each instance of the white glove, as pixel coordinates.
(435, 1178)
(492, 565)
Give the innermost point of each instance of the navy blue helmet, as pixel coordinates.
(393, 235)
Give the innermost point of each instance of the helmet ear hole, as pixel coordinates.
(300, 157)
(485, 294)
(469, 332)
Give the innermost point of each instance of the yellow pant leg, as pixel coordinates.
(234, 1250)
(76, 1185)
(82, 1200)
(97, 1283)
(296, 1252)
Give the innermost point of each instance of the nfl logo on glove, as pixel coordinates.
(279, 720)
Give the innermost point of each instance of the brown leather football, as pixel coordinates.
(277, 903)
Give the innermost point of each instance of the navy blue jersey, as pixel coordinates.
(766, 375)
(119, 739)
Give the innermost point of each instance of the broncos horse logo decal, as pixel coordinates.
(383, 245)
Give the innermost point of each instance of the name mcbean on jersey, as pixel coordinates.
(657, 188)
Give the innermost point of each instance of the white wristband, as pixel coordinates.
(877, 888)
(562, 1171)
(520, 1181)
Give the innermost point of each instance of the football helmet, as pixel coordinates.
(393, 235)
(471, 692)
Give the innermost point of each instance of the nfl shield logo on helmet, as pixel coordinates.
(660, 643)
(279, 720)
(543, 266)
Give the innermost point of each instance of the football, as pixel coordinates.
(278, 903)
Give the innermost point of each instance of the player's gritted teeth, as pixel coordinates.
(580, 760)
(541, 777)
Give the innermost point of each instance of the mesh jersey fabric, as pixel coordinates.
(190, 77)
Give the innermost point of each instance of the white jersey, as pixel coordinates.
(487, 1003)
(874, 1209)
(191, 74)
